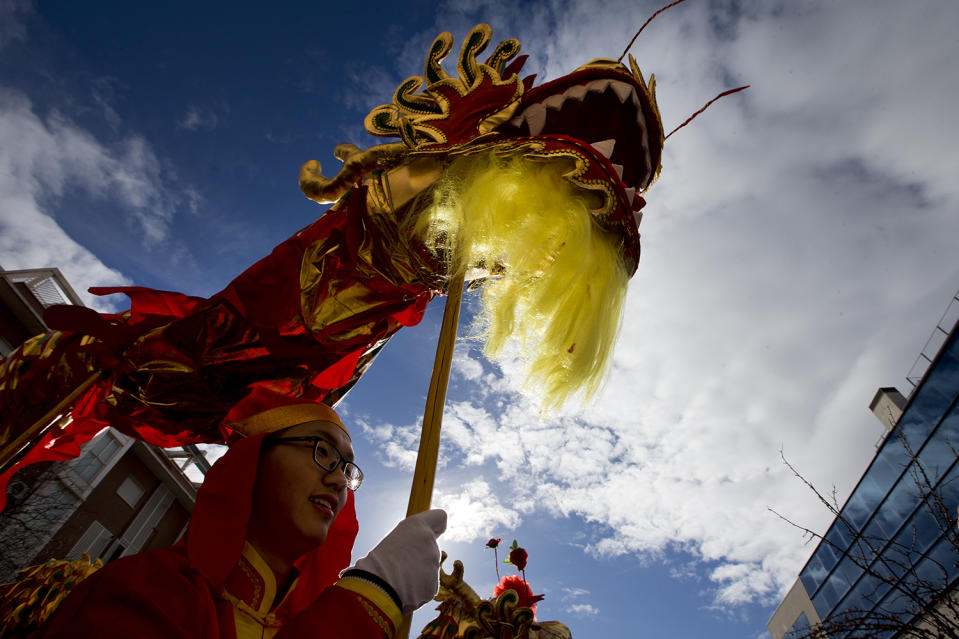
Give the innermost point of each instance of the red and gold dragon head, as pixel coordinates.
(601, 120)
(591, 141)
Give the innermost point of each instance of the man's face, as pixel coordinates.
(294, 500)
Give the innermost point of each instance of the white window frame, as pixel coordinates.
(131, 491)
(80, 486)
(94, 541)
(144, 523)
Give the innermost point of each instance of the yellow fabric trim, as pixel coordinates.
(376, 596)
(258, 623)
(285, 416)
(377, 615)
(266, 573)
(249, 622)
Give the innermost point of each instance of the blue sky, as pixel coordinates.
(797, 252)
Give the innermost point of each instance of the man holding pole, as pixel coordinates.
(266, 548)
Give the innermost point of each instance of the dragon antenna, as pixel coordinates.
(706, 106)
(668, 6)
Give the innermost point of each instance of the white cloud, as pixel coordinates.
(399, 443)
(212, 452)
(798, 250)
(197, 118)
(465, 366)
(45, 162)
(586, 610)
(571, 595)
(37, 161)
(474, 512)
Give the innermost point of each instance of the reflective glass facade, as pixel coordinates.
(890, 524)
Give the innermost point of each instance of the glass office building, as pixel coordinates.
(891, 539)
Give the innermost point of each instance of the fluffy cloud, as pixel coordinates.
(474, 511)
(570, 597)
(583, 609)
(399, 443)
(798, 249)
(44, 159)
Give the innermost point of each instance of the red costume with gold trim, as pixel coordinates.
(215, 586)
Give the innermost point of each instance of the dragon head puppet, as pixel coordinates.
(534, 191)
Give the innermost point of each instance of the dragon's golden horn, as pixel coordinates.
(458, 570)
(342, 152)
(455, 584)
(355, 163)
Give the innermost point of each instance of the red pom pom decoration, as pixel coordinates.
(515, 582)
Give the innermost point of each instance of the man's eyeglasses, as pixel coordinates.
(328, 458)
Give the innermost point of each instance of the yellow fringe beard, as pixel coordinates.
(561, 295)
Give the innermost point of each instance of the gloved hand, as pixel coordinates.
(408, 558)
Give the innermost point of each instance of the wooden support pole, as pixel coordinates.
(422, 491)
(13, 451)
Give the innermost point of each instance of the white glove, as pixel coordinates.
(408, 558)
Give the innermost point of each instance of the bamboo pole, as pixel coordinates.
(424, 473)
(12, 452)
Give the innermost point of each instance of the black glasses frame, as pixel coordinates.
(352, 472)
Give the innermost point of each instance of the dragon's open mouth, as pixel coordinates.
(620, 134)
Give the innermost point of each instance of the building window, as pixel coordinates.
(93, 542)
(131, 491)
(96, 456)
(139, 531)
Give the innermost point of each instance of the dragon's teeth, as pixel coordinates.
(536, 118)
(598, 86)
(554, 101)
(630, 194)
(622, 90)
(605, 146)
(638, 216)
(577, 92)
(619, 170)
(518, 120)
